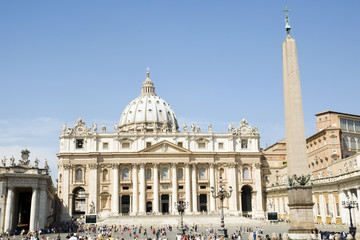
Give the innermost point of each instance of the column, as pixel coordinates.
(212, 185)
(93, 190)
(142, 209)
(33, 210)
(65, 211)
(358, 208)
(194, 189)
(344, 212)
(232, 183)
(259, 192)
(115, 193)
(156, 188)
(135, 188)
(174, 187)
(187, 187)
(43, 208)
(240, 203)
(9, 209)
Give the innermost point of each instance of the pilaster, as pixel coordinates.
(212, 185)
(156, 188)
(115, 193)
(194, 189)
(174, 188)
(9, 208)
(142, 209)
(93, 186)
(135, 188)
(187, 187)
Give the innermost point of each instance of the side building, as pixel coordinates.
(27, 195)
(333, 157)
(146, 164)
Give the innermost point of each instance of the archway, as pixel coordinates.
(79, 201)
(246, 199)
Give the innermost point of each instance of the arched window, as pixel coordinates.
(180, 173)
(125, 174)
(148, 174)
(60, 177)
(105, 175)
(353, 143)
(165, 173)
(202, 173)
(345, 142)
(246, 173)
(78, 174)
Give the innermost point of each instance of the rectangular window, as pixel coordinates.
(105, 145)
(79, 143)
(125, 188)
(318, 209)
(148, 187)
(148, 144)
(201, 145)
(343, 124)
(181, 187)
(351, 125)
(221, 145)
(125, 145)
(202, 187)
(244, 143)
(333, 140)
(327, 209)
(334, 151)
(180, 144)
(357, 126)
(337, 210)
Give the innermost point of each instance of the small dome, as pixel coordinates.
(148, 112)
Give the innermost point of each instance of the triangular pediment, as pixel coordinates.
(165, 147)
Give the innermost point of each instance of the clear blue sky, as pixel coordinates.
(212, 61)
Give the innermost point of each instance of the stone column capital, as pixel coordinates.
(232, 164)
(115, 165)
(156, 165)
(173, 165)
(212, 164)
(257, 165)
(67, 166)
(93, 166)
(134, 165)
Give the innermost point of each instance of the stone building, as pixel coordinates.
(27, 194)
(145, 164)
(333, 157)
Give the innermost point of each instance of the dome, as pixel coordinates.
(148, 112)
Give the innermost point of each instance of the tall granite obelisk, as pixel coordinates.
(299, 185)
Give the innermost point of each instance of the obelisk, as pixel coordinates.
(299, 185)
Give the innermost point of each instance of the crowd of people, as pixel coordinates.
(77, 230)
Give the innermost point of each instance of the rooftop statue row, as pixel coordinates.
(80, 127)
(24, 161)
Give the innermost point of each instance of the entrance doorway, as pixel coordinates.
(125, 204)
(203, 202)
(23, 208)
(246, 199)
(148, 207)
(164, 203)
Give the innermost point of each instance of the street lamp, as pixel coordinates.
(181, 206)
(349, 205)
(222, 194)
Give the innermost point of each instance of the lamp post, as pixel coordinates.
(222, 194)
(349, 205)
(181, 206)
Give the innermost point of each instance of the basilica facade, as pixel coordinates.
(146, 164)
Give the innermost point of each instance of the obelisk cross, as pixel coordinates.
(287, 26)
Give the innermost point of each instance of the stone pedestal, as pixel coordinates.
(301, 210)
